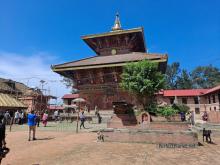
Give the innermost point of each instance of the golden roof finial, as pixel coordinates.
(117, 25)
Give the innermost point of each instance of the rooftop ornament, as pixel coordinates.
(117, 24)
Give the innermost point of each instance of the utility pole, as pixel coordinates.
(42, 88)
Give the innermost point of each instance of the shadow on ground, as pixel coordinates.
(47, 138)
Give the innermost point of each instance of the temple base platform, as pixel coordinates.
(127, 128)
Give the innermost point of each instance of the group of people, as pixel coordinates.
(191, 117)
(18, 117)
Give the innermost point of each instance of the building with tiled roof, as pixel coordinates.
(8, 102)
(15, 95)
(97, 77)
(199, 100)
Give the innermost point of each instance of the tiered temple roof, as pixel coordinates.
(114, 48)
(109, 61)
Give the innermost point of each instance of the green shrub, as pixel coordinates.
(152, 109)
(167, 111)
(181, 108)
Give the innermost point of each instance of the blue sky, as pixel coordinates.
(50, 30)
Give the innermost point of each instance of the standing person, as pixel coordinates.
(16, 117)
(82, 119)
(12, 119)
(99, 118)
(45, 118)
(19, 118)
(7, 117)
(2, 131)
(56, 115)
(182, 116)
(2, 136)
(96, 110)
(32, 124)
(205, 116)
(89, 109)
(38, 118)
(86, 108)
(193, 118)
(21, 114)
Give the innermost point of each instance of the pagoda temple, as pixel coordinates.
(97, 78)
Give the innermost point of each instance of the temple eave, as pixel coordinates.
(101, 66)
(139, 29)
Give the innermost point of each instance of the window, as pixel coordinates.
(215, 108)
(172, 100)
(213, 98)
(197, 111)
(209, 100)
(69, 101)
(196, 100)
(184, 100)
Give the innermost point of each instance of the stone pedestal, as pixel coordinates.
(131, 128)
(151, 136)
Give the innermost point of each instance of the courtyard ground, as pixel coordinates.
(58, 144)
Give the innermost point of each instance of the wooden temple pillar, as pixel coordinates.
(91, 77)
(101, 75)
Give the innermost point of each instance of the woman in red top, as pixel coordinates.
(45, 118)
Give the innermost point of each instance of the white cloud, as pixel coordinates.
(31, 69)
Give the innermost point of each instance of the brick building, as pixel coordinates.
(199, 100)
(26, 98)
(68, 98)
(35, 100)
(97, 78)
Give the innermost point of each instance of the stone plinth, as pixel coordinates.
(129, 128)
(150, 136)
(130, 121)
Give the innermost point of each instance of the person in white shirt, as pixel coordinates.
(82, 119)
(56, 115)
(17, 117)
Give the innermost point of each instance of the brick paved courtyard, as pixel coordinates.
(62, 146)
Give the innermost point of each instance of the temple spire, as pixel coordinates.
(117, 25)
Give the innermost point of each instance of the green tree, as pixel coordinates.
(205, 76)
(143, 79)
(184, 80)
(172, 73)
(69, 84)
